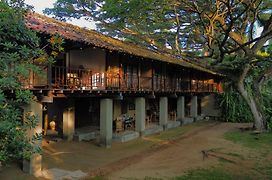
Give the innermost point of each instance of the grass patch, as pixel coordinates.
(171, 134)
(235, 155)
(209, 174)
(248, 139)
(175, 133)
(265, 169)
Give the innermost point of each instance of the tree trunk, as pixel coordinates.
(259, 121)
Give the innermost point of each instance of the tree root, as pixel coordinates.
(207, 153)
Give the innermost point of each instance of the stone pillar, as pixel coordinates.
(69, 122)
(34, 164)
(181, 108)
(106, 119)
(163, 111)
(193, 109)
(140, 114)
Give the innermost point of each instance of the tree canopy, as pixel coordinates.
(183, 26)
(20, 52)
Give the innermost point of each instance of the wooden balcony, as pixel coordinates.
(65, 78)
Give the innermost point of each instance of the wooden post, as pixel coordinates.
(120, 76)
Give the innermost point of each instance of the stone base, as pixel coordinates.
(68, 138)
(56, 173)
(152, 130)
(34, 165)
(172, 124)
(52, 133)
(187, 120)
(104, 142)
(86, 134)
(125, 136)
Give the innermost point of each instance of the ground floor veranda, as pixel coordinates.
(165, 155)
(107, 119)
(121, 118)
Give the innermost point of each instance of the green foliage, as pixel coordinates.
(183, 25)
(234, 107)
(267, 101)
(150, 23)
(19, 46)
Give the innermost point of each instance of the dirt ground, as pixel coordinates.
(166, 155)
(183, 154)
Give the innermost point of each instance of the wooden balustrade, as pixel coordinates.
(84, 79)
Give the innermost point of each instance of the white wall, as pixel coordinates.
(116, 108)
(94, 59)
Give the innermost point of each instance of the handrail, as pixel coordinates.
(85, 79)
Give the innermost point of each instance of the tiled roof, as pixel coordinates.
(52, 26)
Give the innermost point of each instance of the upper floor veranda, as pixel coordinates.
(94, 62)
(94, 69)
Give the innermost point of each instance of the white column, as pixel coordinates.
(181, 108)
(193, 110)
(140, 114)
(106, 119)
(69, 123)
(163, 111)
(34, 164)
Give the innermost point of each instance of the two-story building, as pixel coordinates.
(103, 88)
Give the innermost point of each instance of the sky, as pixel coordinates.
(40, 5)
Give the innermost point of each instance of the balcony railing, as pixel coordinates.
(83, 79)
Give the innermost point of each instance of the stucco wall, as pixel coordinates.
(116, 108)
(126, 106)
(94, 59)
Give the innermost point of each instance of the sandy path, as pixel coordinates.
(179, 156)
(141, 158)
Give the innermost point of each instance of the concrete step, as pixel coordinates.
(125, 136)
(172, 124)
(187, 120)
(85, 136)
(60, 174)
(152, 130)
